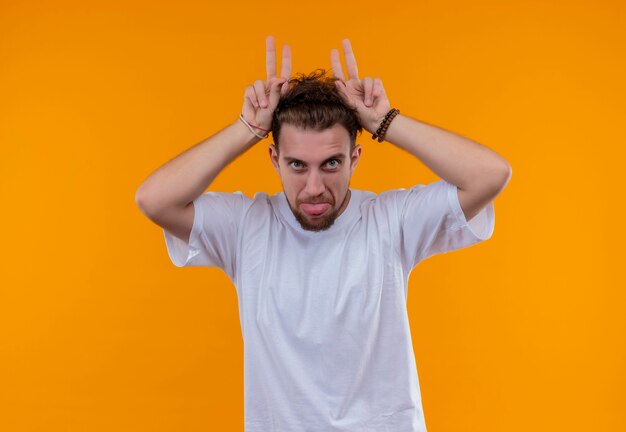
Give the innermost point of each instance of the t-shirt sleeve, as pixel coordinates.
(213, 237)
(432, 222)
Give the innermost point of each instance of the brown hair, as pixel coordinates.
(313, 102)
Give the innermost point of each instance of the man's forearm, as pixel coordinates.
(456, 159)
(184, 178)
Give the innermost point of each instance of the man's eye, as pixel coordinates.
(333, 163)
(294, 163)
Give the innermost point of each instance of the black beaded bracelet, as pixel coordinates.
(384, 125)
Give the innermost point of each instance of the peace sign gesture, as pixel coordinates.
(367, 96)
(261, 98)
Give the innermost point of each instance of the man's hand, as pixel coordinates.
(261, 99)
(367, 96)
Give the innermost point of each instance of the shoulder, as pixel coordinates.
(228, 199)
(420, 192)
(394, 202)
(231, 203)
(373, 203)
(258, 197)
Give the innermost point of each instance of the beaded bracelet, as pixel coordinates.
(384, 125)
(250, 126)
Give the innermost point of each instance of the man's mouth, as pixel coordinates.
(315, 209)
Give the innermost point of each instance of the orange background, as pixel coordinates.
(101, 332)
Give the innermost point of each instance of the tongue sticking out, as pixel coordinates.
(315, 209)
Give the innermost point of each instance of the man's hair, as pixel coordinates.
(314, 102)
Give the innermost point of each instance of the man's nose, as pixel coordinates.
(314, 184)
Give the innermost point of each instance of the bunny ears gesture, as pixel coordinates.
(367, 96)
(261, 98)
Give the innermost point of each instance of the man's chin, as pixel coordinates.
(311, 223)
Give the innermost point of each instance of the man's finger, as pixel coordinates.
(270, 57)
(259, 89)
(285, 70)
(275, 92)
(335, 61)
(248, 109)
(378, 88)
(341, 86)
(353, 71)
(368, 87)
(251, 96)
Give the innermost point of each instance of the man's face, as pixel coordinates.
(315, 169)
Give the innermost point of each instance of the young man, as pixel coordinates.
(321, 270)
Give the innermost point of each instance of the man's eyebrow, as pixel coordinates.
(291, 159)
(339, 156)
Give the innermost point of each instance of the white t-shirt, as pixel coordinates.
(327, 344)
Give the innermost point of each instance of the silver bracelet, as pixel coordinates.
(251, 129)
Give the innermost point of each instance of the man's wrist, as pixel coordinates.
(245, 133)
(371, 126)
(381, 124)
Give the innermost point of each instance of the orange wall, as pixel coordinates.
(100, 332)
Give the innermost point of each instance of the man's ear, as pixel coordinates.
(274, 156)
(356, 156)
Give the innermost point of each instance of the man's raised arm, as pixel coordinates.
(478, 172)
(165, 196)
